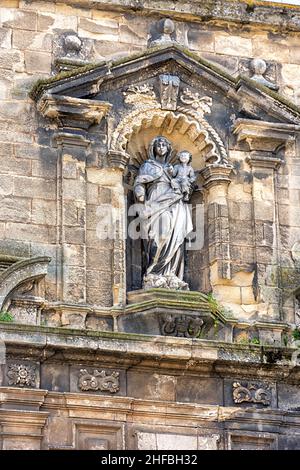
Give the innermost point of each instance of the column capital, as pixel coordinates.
(264, 160)
(117, 160)
(216, 174)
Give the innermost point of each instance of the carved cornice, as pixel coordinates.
(262, 13)
(262, 135)
(73, 112)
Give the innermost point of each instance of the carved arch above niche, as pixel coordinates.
(161, 81)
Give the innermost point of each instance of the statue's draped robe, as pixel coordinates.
(165, 221)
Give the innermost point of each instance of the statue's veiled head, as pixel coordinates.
(160, 149)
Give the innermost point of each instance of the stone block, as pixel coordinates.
(44, 168)
(6, 185)
(36, 62)
(101, 296)
(55, 377)
(98, 323)
(233, 45)
(100, 259)
(70, 213)
(107, 29)
(72, 319)
(15, 209)
(35, 188)
(272, 50)
(43, 212)
(32, 41)
(15, 248)
(199, 390)
(200, 40)
(19, 19)
(132, 33)
(247, 295)
(150, 386)
(74, 255)
(288, 396)
(75, 235)
(32, 233)
(11, 60)
(5, 38)
(176, 442)
(74, 190)
(50, 21)
(230, 294)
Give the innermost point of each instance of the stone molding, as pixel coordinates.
(260, 13)
(20, 272)
(82, 113)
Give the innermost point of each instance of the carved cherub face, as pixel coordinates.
(184, 156)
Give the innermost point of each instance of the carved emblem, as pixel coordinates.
(182, 326)
(169, 89)
(251, 393)
(201, 104)
(21, 375)
(99, 381)
(140, 95)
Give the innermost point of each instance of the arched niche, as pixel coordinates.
(185, 133)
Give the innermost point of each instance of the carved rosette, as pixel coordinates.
(21, 376)
(251, 393)
(99, 381)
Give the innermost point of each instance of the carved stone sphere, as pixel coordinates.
(258, 66)
(168, 26)
(72, 43)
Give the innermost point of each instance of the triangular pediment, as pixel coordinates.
(107, 81)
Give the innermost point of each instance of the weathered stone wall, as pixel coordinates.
(30, 212)
(60, 274)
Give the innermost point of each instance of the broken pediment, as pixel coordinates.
(107, 81)
(166, 90)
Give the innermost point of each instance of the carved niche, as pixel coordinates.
(165, 91)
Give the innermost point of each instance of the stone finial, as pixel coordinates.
(166, 30)
(71, 51)
(259, 67)
(72, 44)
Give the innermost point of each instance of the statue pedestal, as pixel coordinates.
(172, 313)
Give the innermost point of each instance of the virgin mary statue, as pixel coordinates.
(165, 219)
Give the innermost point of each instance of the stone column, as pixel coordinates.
(73, 117)
(117, 161)
(265, 140)
(216, 183)
(71, 207)
(266, 228)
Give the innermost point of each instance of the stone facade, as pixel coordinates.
(88, 359)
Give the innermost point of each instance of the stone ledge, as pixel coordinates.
(245, 12)
(167, 348)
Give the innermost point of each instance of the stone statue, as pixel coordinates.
(164, 217)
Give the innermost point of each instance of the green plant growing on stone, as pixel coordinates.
(213, 303)
(254, 341)
(296, 334)
(6, 316)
